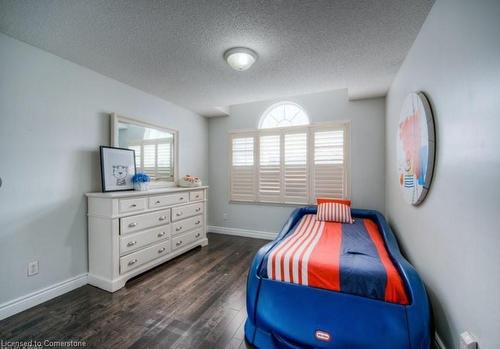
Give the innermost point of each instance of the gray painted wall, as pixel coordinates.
(453, 238)
(367, 156)
(53, 117)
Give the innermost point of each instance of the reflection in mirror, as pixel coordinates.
(154, 148)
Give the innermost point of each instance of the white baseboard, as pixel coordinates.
(30, 300)
(438, 342)
(242, 232)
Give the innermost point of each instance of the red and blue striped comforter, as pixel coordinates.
(349, 258)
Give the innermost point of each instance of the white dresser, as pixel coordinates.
(132, 231)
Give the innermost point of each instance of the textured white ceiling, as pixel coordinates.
(173, 49)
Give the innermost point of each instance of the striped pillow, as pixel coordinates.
(339, 201)
(334, 212)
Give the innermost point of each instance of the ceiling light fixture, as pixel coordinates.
(240, 58)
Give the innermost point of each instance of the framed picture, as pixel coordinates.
(117, 168)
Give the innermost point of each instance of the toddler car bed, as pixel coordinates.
(331, 285)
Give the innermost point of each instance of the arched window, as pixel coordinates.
(283, 114)
(288, 160)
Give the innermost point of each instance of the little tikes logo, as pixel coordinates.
(323, 336)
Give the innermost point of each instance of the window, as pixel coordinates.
(290, 165)
(283, 114)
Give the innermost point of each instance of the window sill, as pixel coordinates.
(259, 203)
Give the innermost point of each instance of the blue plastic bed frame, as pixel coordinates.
(285, 315)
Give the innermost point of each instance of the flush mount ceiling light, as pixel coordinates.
(240, 58)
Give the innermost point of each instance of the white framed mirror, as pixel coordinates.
(156, 150)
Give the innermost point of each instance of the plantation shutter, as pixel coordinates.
(164, 170)
(329, 166)
(296, 188)
(290, 165)
(149, 159)
(269, 177)
(243, 187)
(154, 157)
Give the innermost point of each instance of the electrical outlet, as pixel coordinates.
(32, 268)
(226, 216)
(467, 341)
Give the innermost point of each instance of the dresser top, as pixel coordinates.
(129, 193)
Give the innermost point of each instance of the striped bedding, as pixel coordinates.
(349, 258)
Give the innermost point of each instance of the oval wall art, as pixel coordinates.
(416, 148)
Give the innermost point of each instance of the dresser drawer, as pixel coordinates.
(167, 200)
(144, 221)
(143, 256)
(182, 212)
(185, 239)
(196, 195)
(135, 241)
(131, 205)
(187, 224)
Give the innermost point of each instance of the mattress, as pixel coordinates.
(349, 258)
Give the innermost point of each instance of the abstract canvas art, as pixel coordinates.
(416, 147)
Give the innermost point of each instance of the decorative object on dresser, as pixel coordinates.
(189, 181)
(141, 181)
(117, 168)
(132, 232)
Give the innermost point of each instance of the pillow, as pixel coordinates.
(339, 201)
(334, 212)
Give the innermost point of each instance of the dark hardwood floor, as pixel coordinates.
(194, 301)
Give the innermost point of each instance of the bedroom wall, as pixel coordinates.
(53, 117)
(367, 157)
(453, 238)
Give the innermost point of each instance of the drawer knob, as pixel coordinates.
(131, 243)
(197, 222)
(131, 225)
(162, 218)
(178, 243)
(162, 234)
(157, 202)
(198, 209)
(178, 228)
(197, 235)
(133, 205)
(197, 196)
(178, 214)
(132, 262)
(161, 250)
(181, 198)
